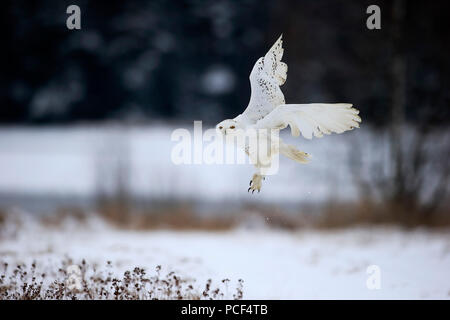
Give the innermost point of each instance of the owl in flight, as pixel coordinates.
(267, 113)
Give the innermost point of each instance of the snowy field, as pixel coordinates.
(79, 162)
(273, 264)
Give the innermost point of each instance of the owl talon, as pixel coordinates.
(255, 183)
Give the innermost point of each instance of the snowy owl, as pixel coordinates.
(267, 112)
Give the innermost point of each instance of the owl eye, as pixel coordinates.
(220, 127)
(232, 127)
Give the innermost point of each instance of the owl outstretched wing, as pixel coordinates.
(313, 119)
(267, 75)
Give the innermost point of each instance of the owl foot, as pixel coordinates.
(256, 183)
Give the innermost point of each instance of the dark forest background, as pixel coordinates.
(189, 59)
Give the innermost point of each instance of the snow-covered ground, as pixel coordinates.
(306, 264)
(80, 161)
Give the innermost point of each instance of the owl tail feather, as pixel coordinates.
(292, 153)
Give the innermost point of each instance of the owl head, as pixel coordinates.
(227, 126)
